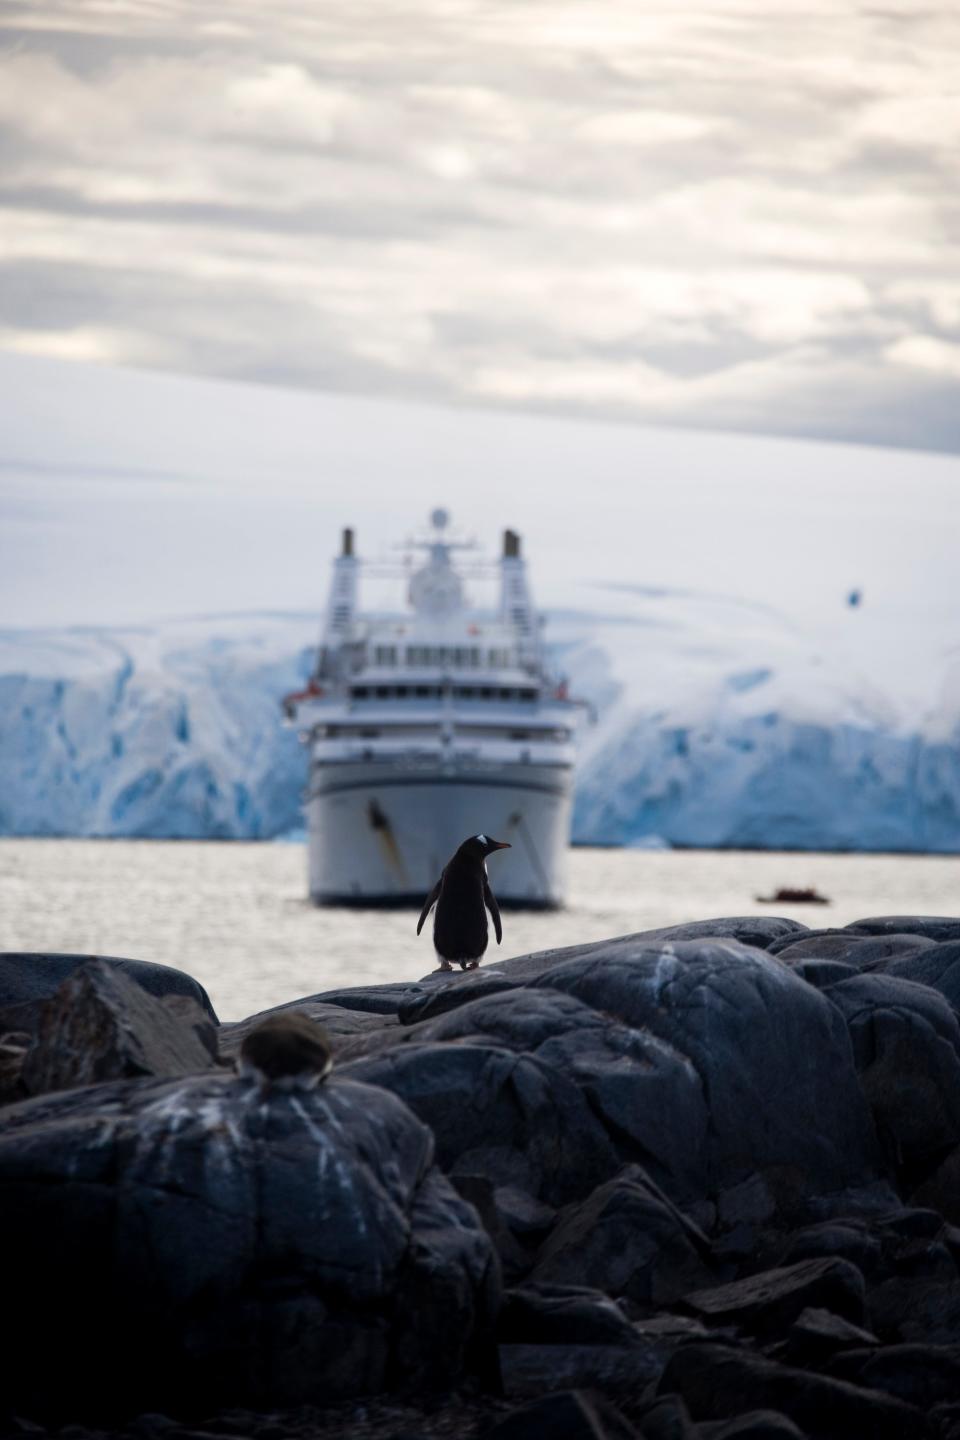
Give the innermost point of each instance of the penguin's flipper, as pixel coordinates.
(490, 901)
(429, 903)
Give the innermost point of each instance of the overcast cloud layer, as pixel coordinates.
(725, 214)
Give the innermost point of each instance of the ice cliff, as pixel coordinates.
(719, 722)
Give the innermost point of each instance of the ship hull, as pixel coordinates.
(382, 836)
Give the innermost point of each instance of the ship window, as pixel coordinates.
(369, 735)
(519, 735)
(385, 655)
(422, 692)
(505, 694)
(382, 692)
(465, 692)
(527, 695)
(360, 692)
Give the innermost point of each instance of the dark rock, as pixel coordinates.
(774, 1299)
(627, 1239)
(821, 974)
(870, 952)
(28, 978)
(478, 1191)
(494, 1113)
(818, 1333)
(935, 965)
(907, 1242)
(760, 931)
(844, 947)
(568, 1415)
(374, 999)
(616, 1371)
(523, 1216)
(847, 1239)
(941, 1192)
(906, 1044)
(14, 1045)
(101, 1025)
(754, 1425)
(650, 1098)
(768, 1050)
(461, 990)
(825, 943)
(916, 1308)
(666, 1417)
(931, 927)
(562, 1315)
(240, 1248)
(718, 1383)
(922, 1375)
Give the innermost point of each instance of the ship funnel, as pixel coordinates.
(511, 545)
(347, 543)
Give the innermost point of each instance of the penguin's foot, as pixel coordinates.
(469, 964)
(445, 965)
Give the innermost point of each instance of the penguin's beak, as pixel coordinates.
(500, 845)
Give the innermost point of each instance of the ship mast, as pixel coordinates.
(341, 605)
(516, 604)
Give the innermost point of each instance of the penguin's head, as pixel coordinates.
(478, 847)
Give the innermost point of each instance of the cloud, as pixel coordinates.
(709, 215)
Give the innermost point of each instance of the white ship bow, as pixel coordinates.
(432, 724)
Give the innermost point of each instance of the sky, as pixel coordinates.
(725, 215)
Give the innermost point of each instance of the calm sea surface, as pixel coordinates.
(235, 915)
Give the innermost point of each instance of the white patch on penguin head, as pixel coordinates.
(481, 838)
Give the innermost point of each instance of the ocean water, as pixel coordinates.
(236, 917)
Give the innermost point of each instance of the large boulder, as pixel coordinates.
(27, 979)
(906, 1045)
(206, 1241)
(931, 927)
(760, 931)
(101, 1025)
(937, 966)
(629, 1241)
(507, 1118)
(768, 1052)
(649, 1096)
(858, 951)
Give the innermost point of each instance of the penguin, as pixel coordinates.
(462, 896)
(288, 1051)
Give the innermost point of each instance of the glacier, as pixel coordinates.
(739, 699)
(718, 722)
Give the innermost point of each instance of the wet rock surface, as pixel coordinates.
(693, 1184)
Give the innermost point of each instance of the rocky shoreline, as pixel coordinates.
(696, 1182)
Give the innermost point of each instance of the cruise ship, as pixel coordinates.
(433, 723)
